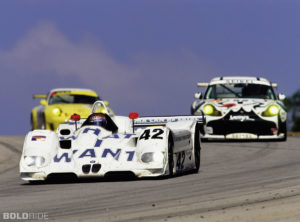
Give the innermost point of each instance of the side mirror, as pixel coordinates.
(274, 85)
(43, 102)
(281, 96)
(198, 95)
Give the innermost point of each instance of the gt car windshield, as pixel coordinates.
(239, 90)
(58, 98)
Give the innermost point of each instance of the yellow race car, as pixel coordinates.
(58, 106)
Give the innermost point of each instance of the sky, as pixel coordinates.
(142, 56)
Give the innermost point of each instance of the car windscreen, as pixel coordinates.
(239, 90)
(60, 98)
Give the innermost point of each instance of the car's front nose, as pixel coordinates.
(243, 122)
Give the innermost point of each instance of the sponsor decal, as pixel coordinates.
(240, 118)
(241, 136)
(115, 155)
(38, 138)
(164, 120)
(90, 153)
(59, 93)
(180, 161)
(230, 81)
(229, 105)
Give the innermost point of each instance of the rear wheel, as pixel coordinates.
(170, 157)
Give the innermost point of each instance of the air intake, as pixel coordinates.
(86, 168)
(65, 132)
(65, 144)
(96, 168)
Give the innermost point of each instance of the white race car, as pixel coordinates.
(104, 145)
(243, 108)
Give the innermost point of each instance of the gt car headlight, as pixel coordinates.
(37, 161)
(272, 110)
(56, 111)
(152, 157)
(211, 110)
(208, 109)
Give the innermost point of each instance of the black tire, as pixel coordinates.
(43, 123)
(31, 121)
(283, 130)
(170, 157)
(197, 149)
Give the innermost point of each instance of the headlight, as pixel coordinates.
(29, 160)
(210, 110)
(56, 111)
(158, 157)
(37, 161)
(152, 157)
(272, 110)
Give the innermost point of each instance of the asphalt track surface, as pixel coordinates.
(237, 182)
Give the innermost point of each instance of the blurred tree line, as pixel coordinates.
(293, 105)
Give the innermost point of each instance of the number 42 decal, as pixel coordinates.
(156, 134)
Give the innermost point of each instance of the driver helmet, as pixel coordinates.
(98, 119)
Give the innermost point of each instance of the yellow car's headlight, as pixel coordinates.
(272, 110)
(211, 110)
(56, 111)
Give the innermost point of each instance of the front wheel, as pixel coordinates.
(284, 131)
(197, 149)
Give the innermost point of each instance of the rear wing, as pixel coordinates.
(202, 84)
(163, 120)
(39, 96)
